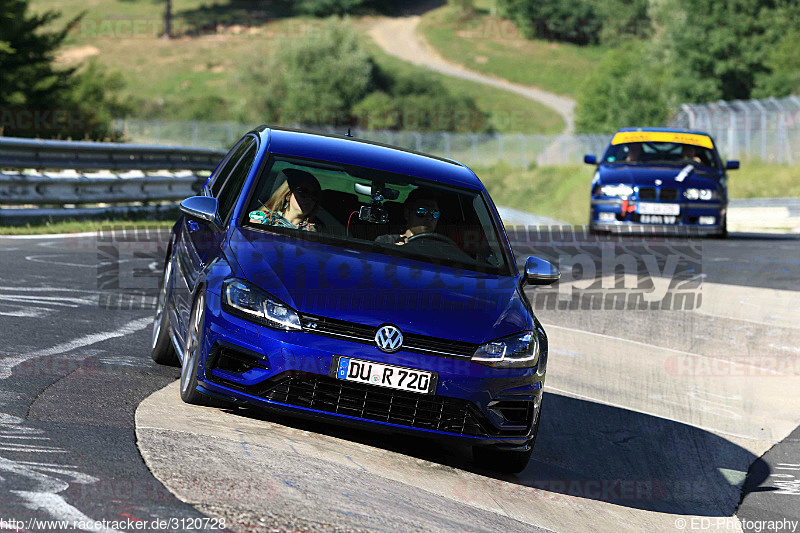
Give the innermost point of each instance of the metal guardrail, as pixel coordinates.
(39, 154)
(41, 180)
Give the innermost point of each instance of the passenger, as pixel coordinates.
(634, 153)
(691, 153)
(294, 204)
(421, 212)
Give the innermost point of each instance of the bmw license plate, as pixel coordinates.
(645, 208)
(382, 375)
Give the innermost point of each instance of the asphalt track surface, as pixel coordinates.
(651, 416)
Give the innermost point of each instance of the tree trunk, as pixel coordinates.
(168, 20)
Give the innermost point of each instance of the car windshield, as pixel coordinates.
(382, 212)
(648, 153)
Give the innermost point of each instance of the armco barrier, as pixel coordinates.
(63, 179)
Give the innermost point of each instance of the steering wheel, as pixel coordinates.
(434, 236)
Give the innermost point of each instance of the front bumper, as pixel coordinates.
(290, 371)
(687, 223)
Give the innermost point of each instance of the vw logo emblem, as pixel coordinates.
(388, 338)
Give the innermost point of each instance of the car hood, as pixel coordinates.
(374, 289)
(646, 176)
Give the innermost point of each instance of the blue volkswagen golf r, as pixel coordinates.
(356, 282)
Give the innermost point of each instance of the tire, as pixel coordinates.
(191, 357)
(161, 349)
(505, 461)
(723, 233)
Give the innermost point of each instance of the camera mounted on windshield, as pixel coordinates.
(374, 213)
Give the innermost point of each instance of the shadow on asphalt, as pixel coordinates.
(593, 451)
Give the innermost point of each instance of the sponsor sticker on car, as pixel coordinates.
(383, 375)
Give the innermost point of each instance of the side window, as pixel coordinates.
(233, 185)
(230, 164)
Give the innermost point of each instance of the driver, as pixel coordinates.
(421, 211)
(691, 153)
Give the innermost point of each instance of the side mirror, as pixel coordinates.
(590, 159)
(732, 165)
(540, 272)
(203, 209)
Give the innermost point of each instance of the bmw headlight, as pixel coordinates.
(701, 194)
(517, 351)
(616, 190)
(247, 301)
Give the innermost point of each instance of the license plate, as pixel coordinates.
(389, 376)
(657, 219)
(644, 208)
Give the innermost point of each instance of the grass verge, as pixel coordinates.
(492, 45)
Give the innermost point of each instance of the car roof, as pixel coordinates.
(352, 151)
(669, 130)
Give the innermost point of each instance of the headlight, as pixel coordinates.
(701, 194)
(247, 301)
(517, 351)
(616, 190)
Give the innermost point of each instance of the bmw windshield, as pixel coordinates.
(377, 211)
(661, 153)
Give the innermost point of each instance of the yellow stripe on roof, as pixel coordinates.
(662, 137)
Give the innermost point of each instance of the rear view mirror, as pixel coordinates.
(732, 165)
(540, 272)
(590, 159)
(203, 209)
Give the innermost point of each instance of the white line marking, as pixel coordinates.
(612, 404)
(131, 327)
(49, 236)
(33, 450)
(56, 506)
(664, 348)
(759, 322)
(46, 289)
(39, 259)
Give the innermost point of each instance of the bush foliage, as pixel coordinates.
(579, 21)
(330, 79)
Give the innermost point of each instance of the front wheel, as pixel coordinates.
(191, 358)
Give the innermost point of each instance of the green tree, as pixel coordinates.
(27, 76)
(65, 102)
(575, 21)
(628, 89)
(320, 76)
(718, 49)
(326, 8)
(418, 103)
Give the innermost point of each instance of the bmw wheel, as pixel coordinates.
(161, 349)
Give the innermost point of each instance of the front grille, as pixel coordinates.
(330, 395)
(647, 193)
(668, 194)
(366, 335)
